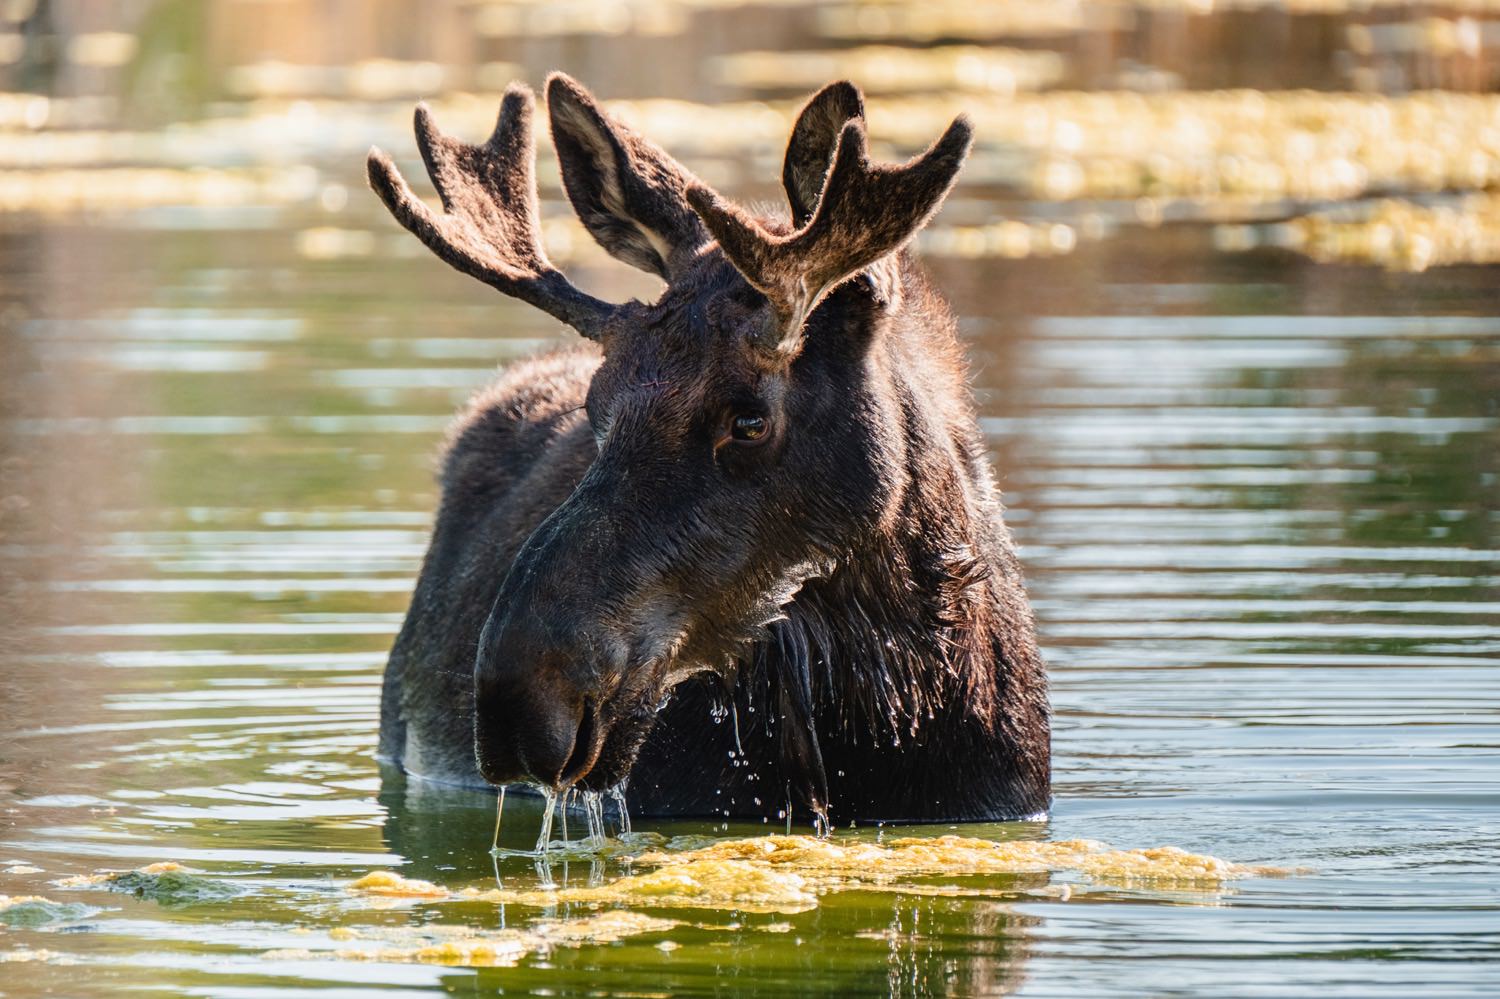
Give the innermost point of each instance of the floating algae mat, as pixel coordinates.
(768, 874)
(790, 873)
(441, 943)
(167, 883)
(394, 885)
(32, 911)
(1395, 233)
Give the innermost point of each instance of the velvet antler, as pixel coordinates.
(864, 212)
(489, 226)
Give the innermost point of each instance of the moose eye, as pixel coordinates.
(749, 428)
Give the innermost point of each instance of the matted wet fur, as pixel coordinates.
(745, 548)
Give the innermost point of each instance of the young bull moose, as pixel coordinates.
(764, 492)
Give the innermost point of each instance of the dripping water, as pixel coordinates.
(499, 812)
(544, 871)
(734, 716)
(544, 837)
(617, 795)
(593, 810)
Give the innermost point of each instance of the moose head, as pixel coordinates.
(753, 423)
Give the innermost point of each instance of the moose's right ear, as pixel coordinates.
(630, 195)
(809, 152)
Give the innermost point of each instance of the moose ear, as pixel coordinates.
(630, 195)
(809, 152)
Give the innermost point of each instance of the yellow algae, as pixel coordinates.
(851, 862)
(1233, 150)
(788, 874)
(602, 927)
(695, 883)
(1010, 238)
(109, 877)
(467, 946)
(981, 20)
(1220, 155)
(938, 19)
(1396, 234)
(891, 69)
(25, 954)
(125, 188)
(10, 901)
(332, 243)
(391, 884)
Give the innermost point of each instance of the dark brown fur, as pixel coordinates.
(613, 567)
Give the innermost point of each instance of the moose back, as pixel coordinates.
(744, 547)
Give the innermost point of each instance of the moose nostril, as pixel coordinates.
(584, 749)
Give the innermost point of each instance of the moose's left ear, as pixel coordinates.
(630, 195)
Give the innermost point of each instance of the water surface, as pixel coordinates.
(1258, 499)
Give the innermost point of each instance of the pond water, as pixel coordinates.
(1258, 498)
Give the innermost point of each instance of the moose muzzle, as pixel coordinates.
(536, 714)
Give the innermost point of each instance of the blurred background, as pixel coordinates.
(1227, 272)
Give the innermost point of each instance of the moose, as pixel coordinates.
(744, 546)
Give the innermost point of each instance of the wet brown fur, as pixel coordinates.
(846, 590)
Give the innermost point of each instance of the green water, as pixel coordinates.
(1258, 499)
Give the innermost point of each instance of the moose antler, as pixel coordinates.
(489, 226)
(815, 137)
(864, 212)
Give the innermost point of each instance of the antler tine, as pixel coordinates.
(865, 211)
(489, 227)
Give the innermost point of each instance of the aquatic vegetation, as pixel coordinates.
(927, 22)
(1218, 154)
(1010, 238)
(167, 883)
(789, 874)
(704, 883)
(882, 69)
(124, 188)
(910, 856)
(1222, 155)
(988, 19)
(394, 885)
(366, 79)
(32, 911)
(440, 943)
(1393, 233)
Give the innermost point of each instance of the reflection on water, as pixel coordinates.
(1258, 495)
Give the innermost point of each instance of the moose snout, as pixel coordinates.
(536, 714)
